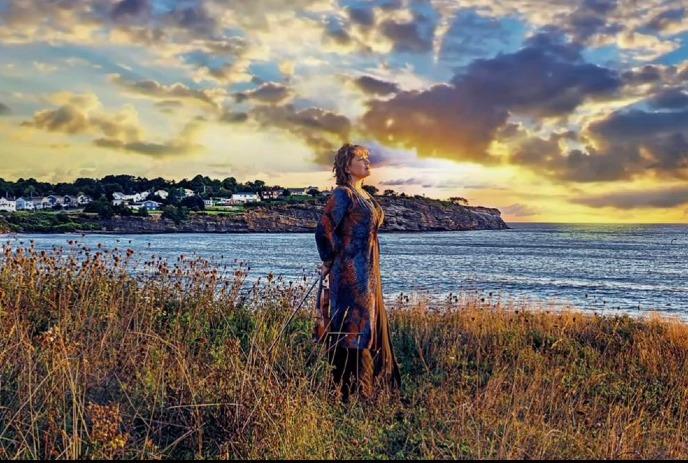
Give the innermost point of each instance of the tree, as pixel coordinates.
(102, 207)
(174, 213)
(230, 184)
(194, 203)
(389, 193)
(372, 191)
(313, 192)
(459, 200)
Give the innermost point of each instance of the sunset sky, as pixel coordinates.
(551, 111)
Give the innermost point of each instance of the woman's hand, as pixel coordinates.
(325, 268)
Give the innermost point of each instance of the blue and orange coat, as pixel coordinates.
(347, 236)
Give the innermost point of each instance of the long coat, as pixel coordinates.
(347, 236)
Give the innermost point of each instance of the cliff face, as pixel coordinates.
(401, 214)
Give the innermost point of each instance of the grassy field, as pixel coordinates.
(95, 363)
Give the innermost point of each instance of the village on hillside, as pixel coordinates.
(147, 199)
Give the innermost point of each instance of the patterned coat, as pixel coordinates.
(347, 236)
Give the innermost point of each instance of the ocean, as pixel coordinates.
(606, 268)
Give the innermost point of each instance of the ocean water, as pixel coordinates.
(604, 268)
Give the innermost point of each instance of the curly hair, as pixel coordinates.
(342, 159)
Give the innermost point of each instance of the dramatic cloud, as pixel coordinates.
(624, 145)
(459, 120)
(660, 197)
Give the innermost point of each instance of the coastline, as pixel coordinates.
(401, 215)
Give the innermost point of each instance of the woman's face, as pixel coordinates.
(359, 166)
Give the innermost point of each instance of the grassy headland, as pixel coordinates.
(176, 362)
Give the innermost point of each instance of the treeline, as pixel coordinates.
(128, 184)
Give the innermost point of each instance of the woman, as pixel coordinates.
(360, 345)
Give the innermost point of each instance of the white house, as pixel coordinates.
(209, 202)
(301, 191)
(120, 198)
(161, 193)
(82, 200)
(245, 197)
(271, 194)
(7, 205)
(188, 192)
(41, 203)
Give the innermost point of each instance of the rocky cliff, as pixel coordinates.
(401, 214)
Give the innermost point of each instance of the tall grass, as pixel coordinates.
(97, 362)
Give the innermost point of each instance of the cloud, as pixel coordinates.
(4, 109)
(233, 117)
(414, 36)
(459, 120)
(84, 114)
(403, 181)
(183, 144)
(670, 98)
(519, 210)
(361, 15)
(128, 9)
(155, 90)
(668, 21)
(372, 86)
(659, 197)
(624, 145)
(322, 130)
(591, 17)
(269, 92)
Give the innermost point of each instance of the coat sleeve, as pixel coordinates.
(338, 204)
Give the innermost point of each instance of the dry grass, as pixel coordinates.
(97, 363)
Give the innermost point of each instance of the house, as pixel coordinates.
(188, 192)
(296, 191)
(55, 200)
(161, 193)
(41, 203)
(70, 201)
(223, 201)
(208, 202)
(7, 205)
(271, 194)
(82, 200)
(147, 204)
(119, 198)
(151, 205)
(24, 204)
(245, 197)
